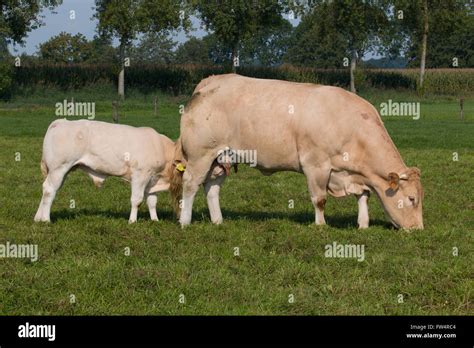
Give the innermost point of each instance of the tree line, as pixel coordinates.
(328, 34)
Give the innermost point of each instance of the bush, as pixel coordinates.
(6, 77)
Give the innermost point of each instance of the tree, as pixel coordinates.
(19, 17)
(125, 19)
(315, 43)
(233, 22)
(102, 51)
(360, 22)
(193, 51)
(333, 28)
(268, 45)
(154, 48)
(66, 48)
(220, 53)
(451, 43)
(432, 30)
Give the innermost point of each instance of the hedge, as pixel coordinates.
(181, 79)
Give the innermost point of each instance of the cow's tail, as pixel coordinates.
(44, 168)
(176, 177)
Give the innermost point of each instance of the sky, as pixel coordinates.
(83, 23)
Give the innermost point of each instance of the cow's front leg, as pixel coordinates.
(212, 188)
(194, 175)
(138, 192)
(151, 200)
(317, 184)
(363, 216)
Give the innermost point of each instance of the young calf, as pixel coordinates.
(138, 155)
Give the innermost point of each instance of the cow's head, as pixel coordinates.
(403, 198)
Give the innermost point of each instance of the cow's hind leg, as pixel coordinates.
(194, 175)
(51, 185)
(363, 216)
(212, 188)
(139, 183)
(317, 184)
(151, 200)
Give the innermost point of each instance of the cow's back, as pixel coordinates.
(105, 147)
(279, 119)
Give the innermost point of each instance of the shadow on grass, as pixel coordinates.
(66, 214)
(338, 221)
(202, 215)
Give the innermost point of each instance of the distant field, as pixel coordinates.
(82, 253)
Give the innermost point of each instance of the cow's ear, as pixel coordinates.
(410, 173)
(393, 180)
(415, 171)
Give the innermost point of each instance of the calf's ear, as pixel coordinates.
(393, 180)
(179, 166)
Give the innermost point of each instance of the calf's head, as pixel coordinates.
(402, 199)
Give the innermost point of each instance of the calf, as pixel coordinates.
(138, 155)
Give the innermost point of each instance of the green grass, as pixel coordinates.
(281, 250)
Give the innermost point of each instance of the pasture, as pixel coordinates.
(84, 252)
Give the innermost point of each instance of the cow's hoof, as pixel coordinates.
(41, 219)
(131, 221)
(184, 222)
(363, 226)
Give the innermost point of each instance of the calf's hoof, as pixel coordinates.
(41, 219)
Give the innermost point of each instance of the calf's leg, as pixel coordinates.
(51, 185)
(138, 192)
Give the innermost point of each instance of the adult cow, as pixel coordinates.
(334, 137)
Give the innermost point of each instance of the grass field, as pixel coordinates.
(83, 252)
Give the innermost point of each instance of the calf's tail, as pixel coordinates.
(44, 169)
(176, 177)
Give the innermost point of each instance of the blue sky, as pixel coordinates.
(83, 23)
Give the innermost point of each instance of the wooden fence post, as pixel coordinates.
(115, 115)
(155, 106)
(461, 102)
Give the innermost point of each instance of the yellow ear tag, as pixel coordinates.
(180, 167)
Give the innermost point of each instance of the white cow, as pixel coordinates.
(335, 138)
(138, 155)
